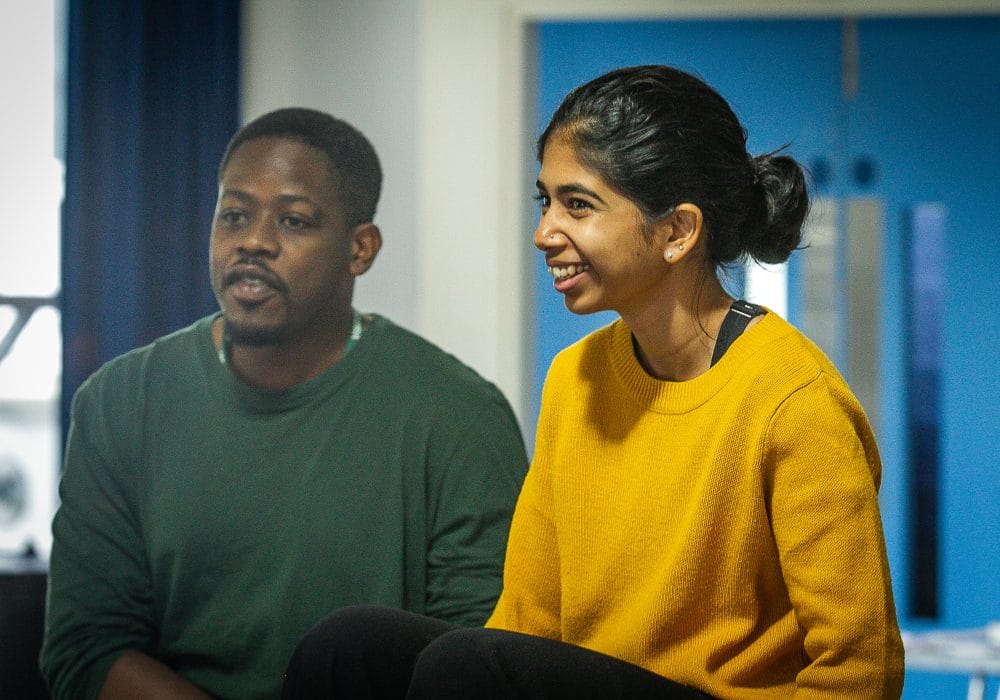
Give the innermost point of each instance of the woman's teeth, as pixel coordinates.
(565, 271)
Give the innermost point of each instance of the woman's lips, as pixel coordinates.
(566, 276)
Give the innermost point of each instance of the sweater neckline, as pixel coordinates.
(264, 401)
(663, 396)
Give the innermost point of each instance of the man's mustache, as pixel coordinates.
(253, 269)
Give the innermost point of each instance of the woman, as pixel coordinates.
(701, 517)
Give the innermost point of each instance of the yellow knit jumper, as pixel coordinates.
(723, 532)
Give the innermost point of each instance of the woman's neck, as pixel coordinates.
(675, 337)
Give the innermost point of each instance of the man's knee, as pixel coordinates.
(343, 625)
(359, 651)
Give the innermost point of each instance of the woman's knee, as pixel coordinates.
(460, 664)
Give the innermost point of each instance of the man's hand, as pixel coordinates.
(136, 675)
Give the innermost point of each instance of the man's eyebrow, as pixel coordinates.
(293, 198)
(247, 197)
(572, 188)
(238, 194)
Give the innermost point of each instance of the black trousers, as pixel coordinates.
(374, 652)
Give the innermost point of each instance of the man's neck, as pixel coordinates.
(272, 367)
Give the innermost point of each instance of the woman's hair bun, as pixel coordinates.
(779, 202)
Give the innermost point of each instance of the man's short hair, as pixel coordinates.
(353, 162)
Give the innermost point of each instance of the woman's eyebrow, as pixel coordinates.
(572, 188)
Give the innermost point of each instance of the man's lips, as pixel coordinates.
(253, 281)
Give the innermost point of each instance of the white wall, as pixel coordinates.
(420, 79)
(440, 87)
(355, 59)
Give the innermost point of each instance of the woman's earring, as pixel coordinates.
(670, 255)
(680, 246)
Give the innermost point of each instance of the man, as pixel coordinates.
(231, 483)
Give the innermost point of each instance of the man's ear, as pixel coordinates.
(366, 242)
(683, 231)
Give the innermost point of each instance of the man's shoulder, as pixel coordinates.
(418, 360)
(408, 374)
(139, 361)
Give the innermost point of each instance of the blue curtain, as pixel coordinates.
(152, 98)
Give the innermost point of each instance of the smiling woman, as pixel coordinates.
(700, 519)
(594, 238)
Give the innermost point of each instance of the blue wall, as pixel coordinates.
(926, 114)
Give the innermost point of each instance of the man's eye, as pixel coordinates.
(232, 218)
(293, 222)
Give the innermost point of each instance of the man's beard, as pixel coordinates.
(252, 336)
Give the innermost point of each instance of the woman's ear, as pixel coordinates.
(683, 231)
(366, 242)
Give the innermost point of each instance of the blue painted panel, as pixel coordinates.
(928, 106)
(924, 307)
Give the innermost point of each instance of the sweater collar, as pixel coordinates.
(663, 396)
(260, 401)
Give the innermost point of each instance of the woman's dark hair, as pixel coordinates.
(661, 137)
(353, 162)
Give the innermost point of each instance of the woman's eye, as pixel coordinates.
(579, 205)
(543, 201)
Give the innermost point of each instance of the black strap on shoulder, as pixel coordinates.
(733, 324)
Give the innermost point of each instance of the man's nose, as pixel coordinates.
(261, 237)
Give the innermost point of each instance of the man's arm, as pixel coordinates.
(136, 675)
(99, 599)
(474, 484)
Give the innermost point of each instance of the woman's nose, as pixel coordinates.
(547, 234)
